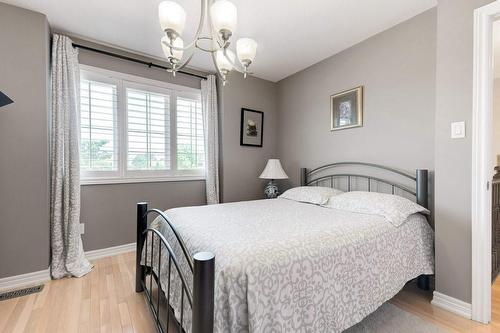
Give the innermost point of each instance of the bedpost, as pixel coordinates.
(142, 224)
(423, 281)
(422, 188)
(203, 292)
(303, 177)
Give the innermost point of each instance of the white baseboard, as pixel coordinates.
(29, 279)
(451, 304)
(110, 251)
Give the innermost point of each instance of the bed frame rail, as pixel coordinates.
(202, 265)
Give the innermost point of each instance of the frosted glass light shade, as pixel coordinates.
(246, 48)
(224, 16)
(172, 16)
(273, 170)
(176, 54)
(222, 61)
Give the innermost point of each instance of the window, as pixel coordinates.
(134, 129)
(148, 130)
(190, 138)
(98, 144)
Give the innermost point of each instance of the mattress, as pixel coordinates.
(286, 266)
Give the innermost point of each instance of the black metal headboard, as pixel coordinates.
(327, 172)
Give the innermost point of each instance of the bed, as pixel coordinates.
(282, 265)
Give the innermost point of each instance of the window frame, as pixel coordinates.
(122, 175)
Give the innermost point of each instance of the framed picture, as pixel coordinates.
(347, 109)
(252, 127)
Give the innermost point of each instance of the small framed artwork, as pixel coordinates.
(252, 127)
(347, 109)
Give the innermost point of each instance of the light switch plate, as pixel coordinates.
(458, 130)
(82, 228)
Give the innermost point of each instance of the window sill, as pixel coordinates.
(106, 181)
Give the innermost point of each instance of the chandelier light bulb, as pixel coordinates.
(246, 48)
(172, 54)
(224, 17)
(225, 66)
(172, 17)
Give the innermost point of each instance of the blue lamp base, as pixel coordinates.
(271, 190)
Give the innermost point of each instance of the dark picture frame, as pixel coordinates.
(346, 109)
(251, 128)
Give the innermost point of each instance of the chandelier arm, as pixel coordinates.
(205, 49)
(238, 67)
(217, 42)
(221, 75)
(167, 44)
(184, 64)
(195, 44)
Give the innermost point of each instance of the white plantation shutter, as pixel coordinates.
(148, 130)
(190, 138)
(135, 129)
(98, 123)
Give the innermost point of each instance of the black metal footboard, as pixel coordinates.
(198, 292)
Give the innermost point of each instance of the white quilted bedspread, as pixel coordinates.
(285, 266)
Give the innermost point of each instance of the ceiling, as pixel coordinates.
(292, 34)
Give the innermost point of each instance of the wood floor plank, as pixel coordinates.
(7, 307)
(84, 322)
(24, 314)
(95, 310)
(15, 314)
(115, 320)
(125, 318)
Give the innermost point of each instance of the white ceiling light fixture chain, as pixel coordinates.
(221, 17)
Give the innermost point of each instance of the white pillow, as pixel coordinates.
(310, 194)
(394, 208)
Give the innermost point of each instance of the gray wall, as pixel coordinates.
(24, 189)
(453, 158)
(397, 70)
(242, 165)
(108, 210)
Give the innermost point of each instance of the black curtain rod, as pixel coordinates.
(119, 56)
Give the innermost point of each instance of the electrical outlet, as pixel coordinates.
(82, 228)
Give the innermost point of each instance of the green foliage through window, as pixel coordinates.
(93, 155)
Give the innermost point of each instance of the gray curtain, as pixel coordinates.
(211, 130)
(67, 257)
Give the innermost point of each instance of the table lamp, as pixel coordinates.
(272, 171)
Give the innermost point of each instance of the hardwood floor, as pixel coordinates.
(102, 301)
(105, 301)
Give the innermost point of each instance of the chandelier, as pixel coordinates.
(222, 19)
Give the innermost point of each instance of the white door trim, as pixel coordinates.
(482, 170)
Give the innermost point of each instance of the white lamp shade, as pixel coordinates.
(172, 53)
(273, 170)
(222, 61)
(224, 15)
(246, 48)
(172, 16)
